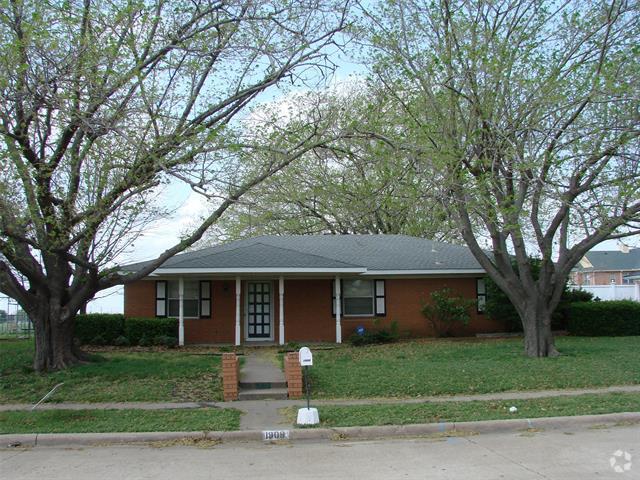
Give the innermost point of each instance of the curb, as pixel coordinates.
(325, 434)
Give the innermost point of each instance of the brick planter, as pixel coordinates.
(230, 376)
(293, 375)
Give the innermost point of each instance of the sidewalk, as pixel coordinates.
(264, 414)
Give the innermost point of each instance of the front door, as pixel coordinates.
(259, 311)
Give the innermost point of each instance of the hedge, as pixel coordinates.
(604, 319)
(115, 329)
(135, 329)
(103, 327)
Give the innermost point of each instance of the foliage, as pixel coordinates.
(450, 367)
(165, 341)
(378, 335)
(359, 185)
(436, 412)
(446, 309)
(121, 341)
(528, 111)
(108, 326)
(137, 328)
(499, 307)
(104, 104)
(89, 421)
(607, 318)
(111, 377)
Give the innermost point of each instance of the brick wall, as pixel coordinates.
(307, 309)
(230, 376)
(293, 375)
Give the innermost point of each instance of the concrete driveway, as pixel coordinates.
(580, 454)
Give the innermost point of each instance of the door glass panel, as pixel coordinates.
(258, 310)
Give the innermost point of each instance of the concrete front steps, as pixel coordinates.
(262, 391)
(260, 379)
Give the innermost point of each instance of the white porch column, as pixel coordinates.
(238, 292)
(181, 311)
(338, 310)
(637, 292)
(281, 305)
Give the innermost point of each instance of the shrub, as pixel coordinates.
(145, 341)
(604, 319)
(377, 336)
(165, 341)
(136, 328)
(500, 308)
(121, 341)
(90, 326)
(98, 340)
(447, 309)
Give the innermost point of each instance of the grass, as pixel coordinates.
(80, 421)
(363, 415)
(421, 368)
(111, 377)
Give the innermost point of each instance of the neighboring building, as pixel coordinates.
(619, 267)
(284, 288)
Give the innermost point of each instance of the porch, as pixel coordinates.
(260, 308)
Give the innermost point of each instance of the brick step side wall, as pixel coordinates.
(293, 375)
(230, 376)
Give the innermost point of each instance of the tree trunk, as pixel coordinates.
(538, 339)
(54, 347)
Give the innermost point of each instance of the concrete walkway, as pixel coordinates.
(265, 414)
(241, 405)
(260, 367)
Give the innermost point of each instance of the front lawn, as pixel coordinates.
(445, 367)
(435, 412)
(80, 421)
(111, 377)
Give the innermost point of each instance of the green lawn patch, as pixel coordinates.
(111, 377)
(444, 367)
(80, 421)
(363, 415)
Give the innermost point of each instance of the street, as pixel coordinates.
(580, 454)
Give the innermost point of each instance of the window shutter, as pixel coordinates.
(205, 299)
(333, 298)
(380, 300)
(161, 298)
(481, 294)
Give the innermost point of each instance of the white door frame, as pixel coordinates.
(271, 312)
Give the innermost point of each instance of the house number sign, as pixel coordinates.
(269, 435)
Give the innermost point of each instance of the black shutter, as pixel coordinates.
(161, 298)
(205, 299)
(333, 298)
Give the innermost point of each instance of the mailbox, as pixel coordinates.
(305, 357)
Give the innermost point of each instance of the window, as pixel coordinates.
(481, 292)
(360, 298)
(612, 278)
(196, 299)
(357, 297)
(190, 299)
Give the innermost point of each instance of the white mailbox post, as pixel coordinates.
(307, 416)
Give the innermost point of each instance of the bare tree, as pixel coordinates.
(530, 108)
(360, 184)
(104, 102)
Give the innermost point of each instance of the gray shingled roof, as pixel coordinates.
(373, 252)
(612, 260)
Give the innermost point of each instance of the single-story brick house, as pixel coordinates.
(306, 288)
